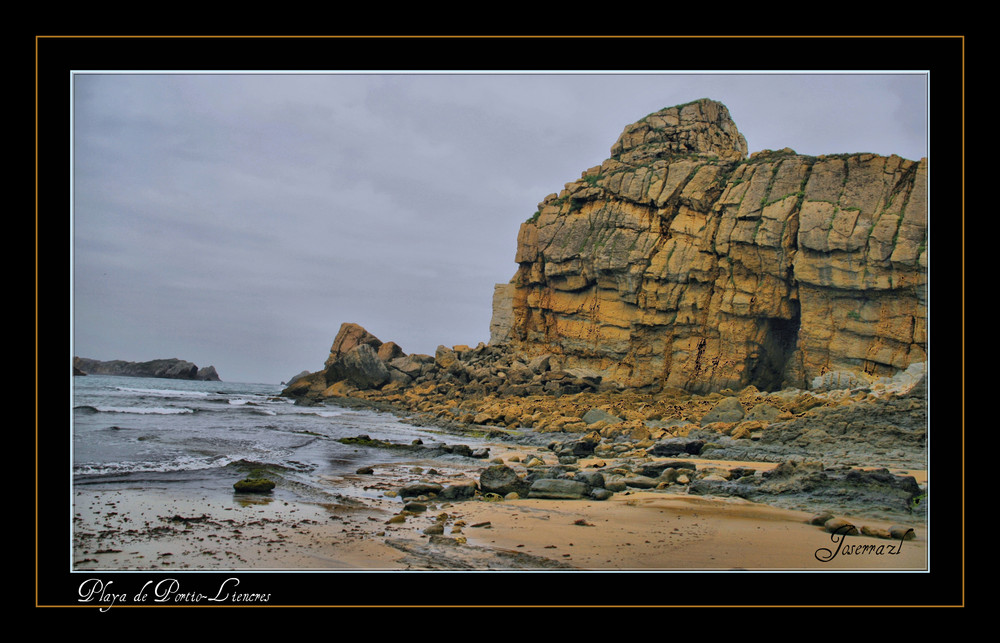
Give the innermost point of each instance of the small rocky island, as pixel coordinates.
(172, 368)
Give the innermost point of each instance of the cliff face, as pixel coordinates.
(681, 262)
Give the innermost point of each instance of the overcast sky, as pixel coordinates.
(237, 220)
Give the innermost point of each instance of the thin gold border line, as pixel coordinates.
(962, 330)
(506, 36)
(962, 270)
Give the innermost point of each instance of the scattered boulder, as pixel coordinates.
(501, 480)
(253, 483)
(348, 337)
(411, 365)
(902, 532)
(875, 532)
(398, 377)
(764, 413)
(558, 489)
(460, 490)
(415, 489)
(840, 526)
(641, 482)
(593, 479)
(820, 519)
(673, 424)
(458, 449)
(576, 448)
(655, 469)
(540, 364)
(805, 483)
(615, 484)
(594, 416)
(519, 373)
(728, 409)
(390, 351)
(677, 446)
(445, 357)
(671, 475)
(361, 367)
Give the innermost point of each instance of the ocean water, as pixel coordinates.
(151, 431)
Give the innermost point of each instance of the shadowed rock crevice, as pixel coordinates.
(768, 370)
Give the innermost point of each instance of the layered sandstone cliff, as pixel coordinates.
(681, 262)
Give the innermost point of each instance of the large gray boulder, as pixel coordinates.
(361, 367)
(764, 413)
(415, 489)
(578, 448)
(390, 351)
(411, 365)
(728, 409)
(501, 480)
(558, 489)
(459, 490)
(540, 364)
(677, 446)
(600, 415)
(593, 479)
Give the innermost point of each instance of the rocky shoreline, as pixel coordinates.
(526, 465)
(849, 445)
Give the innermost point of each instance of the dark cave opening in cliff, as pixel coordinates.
(781, 336)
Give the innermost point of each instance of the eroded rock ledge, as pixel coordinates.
(846, 422)
(491, 388)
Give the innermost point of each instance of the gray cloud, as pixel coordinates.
(237, 220)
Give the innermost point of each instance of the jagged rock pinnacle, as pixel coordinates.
(703, 127)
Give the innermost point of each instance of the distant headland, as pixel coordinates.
(172, 368)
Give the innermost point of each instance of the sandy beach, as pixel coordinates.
(367, 530)
(412, 510)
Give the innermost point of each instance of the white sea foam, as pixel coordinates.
(323, 414)
(162, 392)
(143, 410)
(253, 401)
(182, 463)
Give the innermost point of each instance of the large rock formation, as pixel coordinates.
(681, 262)
(171, 368)
(361, 361)
(503, 314)
(349, 337)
